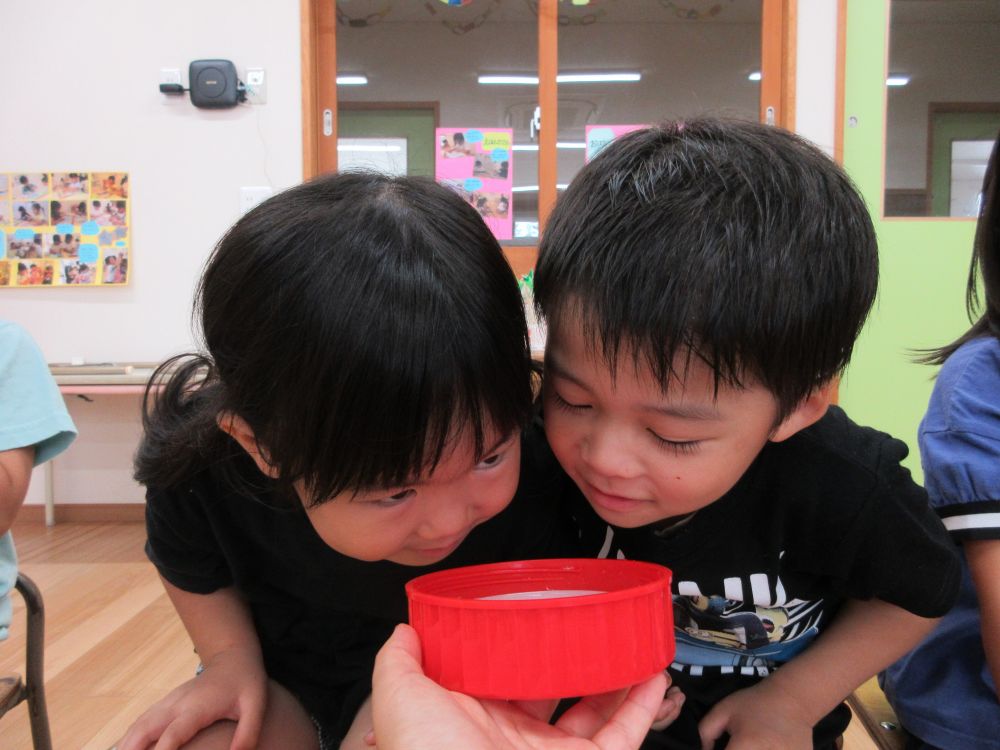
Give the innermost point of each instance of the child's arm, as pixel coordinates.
(983, 557)
(15, 473)
(232, 686)
(782, 709)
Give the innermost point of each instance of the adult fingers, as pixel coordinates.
(627, 727)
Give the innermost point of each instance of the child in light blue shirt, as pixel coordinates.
(34, 428)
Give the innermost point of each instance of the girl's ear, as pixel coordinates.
(808, 412)
(241, 432)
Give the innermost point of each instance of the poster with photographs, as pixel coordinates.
(64, 229)
(476, 163)
(599, 136)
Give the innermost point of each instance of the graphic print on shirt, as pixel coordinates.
(748, 624)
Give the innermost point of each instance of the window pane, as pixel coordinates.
(423, 60)
(943, 89)
(692, 57)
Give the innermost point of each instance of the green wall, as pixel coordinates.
(923, 262)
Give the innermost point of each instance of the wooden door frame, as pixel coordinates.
(319, 63)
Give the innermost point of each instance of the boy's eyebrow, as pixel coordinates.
(699, 412)
(686, 411)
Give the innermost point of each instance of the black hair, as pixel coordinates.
(985, 263)
(731, 241)
(356, 322)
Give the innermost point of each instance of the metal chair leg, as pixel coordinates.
(34, 679)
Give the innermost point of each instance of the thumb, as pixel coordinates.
(247, 727)
(400, 655)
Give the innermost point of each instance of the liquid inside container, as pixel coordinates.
(543, 628)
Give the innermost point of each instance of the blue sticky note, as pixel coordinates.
(499, 154)
(120, 243)
(473, 184)
(89, 253)
(24, 234)
(64, 228)
(90, 228)
(473, 136)
(597, 139)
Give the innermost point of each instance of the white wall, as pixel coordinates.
(80, 92)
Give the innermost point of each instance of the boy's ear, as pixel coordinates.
(809, 411)
(241, 432)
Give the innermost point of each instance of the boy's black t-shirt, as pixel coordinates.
(322, 616)
(827, 515)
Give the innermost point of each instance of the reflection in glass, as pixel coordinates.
(422, 62)
(692, 58)
(943, 105)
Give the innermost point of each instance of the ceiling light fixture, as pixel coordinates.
(755, 75)
(352, 80)
(526, 80)
(367, 148)
(897, 79)
(560, 144)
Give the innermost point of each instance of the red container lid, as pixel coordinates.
(538, 629)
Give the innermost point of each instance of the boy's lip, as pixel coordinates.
(611, 503)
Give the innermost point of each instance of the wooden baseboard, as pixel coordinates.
(86, 513)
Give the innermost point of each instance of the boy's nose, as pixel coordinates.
(607, 454)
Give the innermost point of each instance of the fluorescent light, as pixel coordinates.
(534, 188)
(525, 80)
(357, 147)
(560, 144)
(352, 80)
(512, 80)
(754, 75)
(897, 79)
(598, 77)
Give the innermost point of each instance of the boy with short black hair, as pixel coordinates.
(704, 283)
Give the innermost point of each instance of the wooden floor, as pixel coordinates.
(113, 642)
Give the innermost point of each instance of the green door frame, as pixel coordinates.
(924, 262)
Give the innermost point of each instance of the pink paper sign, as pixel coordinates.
(476, 163)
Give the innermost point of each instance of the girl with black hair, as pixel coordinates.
(945, 690)
(361, 414)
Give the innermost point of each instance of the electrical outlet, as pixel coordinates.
(256, 86)
(170, 75)
(251, 196)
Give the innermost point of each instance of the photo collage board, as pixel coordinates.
(476, 163)
(61, 229)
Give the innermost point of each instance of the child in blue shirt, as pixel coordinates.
(34, 428)
(945, 691)
(703, 283)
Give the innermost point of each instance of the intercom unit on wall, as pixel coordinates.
(214, 84)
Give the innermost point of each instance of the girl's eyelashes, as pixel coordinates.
(677, 446)
(497, 458)
(391, 501)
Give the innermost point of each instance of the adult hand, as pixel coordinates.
(412, 712)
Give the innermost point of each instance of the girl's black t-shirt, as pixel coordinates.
(321, 616)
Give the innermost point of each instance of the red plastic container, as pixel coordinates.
(579, 627)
